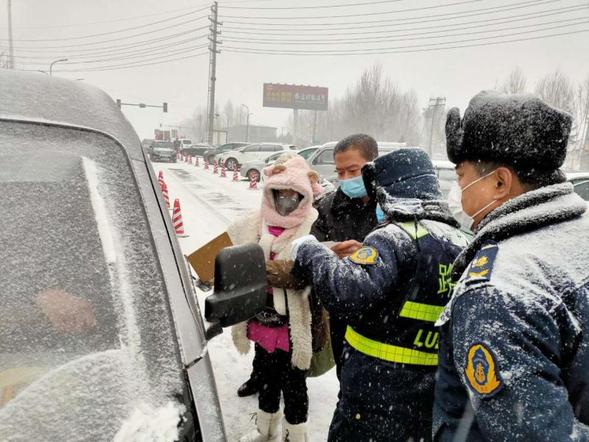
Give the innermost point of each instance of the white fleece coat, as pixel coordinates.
(252, 229)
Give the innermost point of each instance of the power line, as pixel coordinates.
(143, 54)
(116, 53)
(364, 14)
(115, 47)
(136, 17)
(312, 7)
(400, 49)
(500, 20)
(452, 15)
(110, 33)
(413, 36)
(132, 65)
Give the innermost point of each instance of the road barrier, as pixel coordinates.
(177, 220)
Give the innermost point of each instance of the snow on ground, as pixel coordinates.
(209, 204)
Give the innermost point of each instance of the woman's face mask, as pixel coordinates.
(455, 204)
(286, 202)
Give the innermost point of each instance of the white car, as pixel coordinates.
(323, 162)
(252, 152)
(580, 181)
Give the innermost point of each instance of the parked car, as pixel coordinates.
(446, 172)
(99, 323)
(580, 182)
(162, 154)
(253, 169)
(251, 152)
(323, 162)
(160, 145)
(210, 154)
(196, 149)
(146, 142)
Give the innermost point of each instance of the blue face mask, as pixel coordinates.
(353, 187)
(379, 214)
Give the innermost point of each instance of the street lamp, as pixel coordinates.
(247, 127)
(53, 62)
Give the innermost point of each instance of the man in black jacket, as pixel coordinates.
(346, 216)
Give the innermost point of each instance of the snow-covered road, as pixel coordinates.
(209, 204)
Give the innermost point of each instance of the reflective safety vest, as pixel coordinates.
(402, 331)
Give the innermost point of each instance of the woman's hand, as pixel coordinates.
(278, 274)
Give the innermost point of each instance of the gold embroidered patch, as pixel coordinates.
(481, 370)
(365, 256)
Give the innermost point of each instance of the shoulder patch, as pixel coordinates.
(481, 371)
(365, 256)
(481, 267)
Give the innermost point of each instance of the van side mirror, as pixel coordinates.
(240, 287)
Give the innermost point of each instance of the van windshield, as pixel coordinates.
(84, 310)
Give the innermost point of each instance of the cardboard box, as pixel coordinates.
(203, 259)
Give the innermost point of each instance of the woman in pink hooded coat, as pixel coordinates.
(282, 332)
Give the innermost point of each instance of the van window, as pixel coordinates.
(84, 308)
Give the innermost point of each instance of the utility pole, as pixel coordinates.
(10, 46)
(213, 38)
(247, 123)
(434, 104)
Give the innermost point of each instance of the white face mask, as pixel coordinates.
(455, 204)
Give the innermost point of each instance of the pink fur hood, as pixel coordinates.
(292, 173)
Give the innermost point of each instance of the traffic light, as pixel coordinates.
(165, 107)
(119, 102)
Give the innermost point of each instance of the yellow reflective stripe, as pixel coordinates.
(410, 228)
(421, 312)
(388, 352)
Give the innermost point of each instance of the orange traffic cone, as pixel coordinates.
(177, 220)
(236, 173)
(223, 170)
(160, 177)
(253, 181)
(165, 193)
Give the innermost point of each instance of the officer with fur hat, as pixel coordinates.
(390, 293)
(514, 355)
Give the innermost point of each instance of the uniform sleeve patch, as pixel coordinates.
(365, 256)
(481, 370)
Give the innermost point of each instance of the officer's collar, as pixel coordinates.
(530, 211)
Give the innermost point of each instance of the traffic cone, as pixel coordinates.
(223, 170)
(196, 162)
(160, 177)
(216, 168)
(177, 220)
(236, 173)
(254, 182)
(165, 194)
(206, 164)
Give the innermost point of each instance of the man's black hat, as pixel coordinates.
(517, 130)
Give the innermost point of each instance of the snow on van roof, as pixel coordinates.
(40, 98)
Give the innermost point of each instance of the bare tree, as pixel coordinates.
(374, 105)
(229, 113)
(515, 83)
(557, 90)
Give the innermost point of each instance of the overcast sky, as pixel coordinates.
(48, 30)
